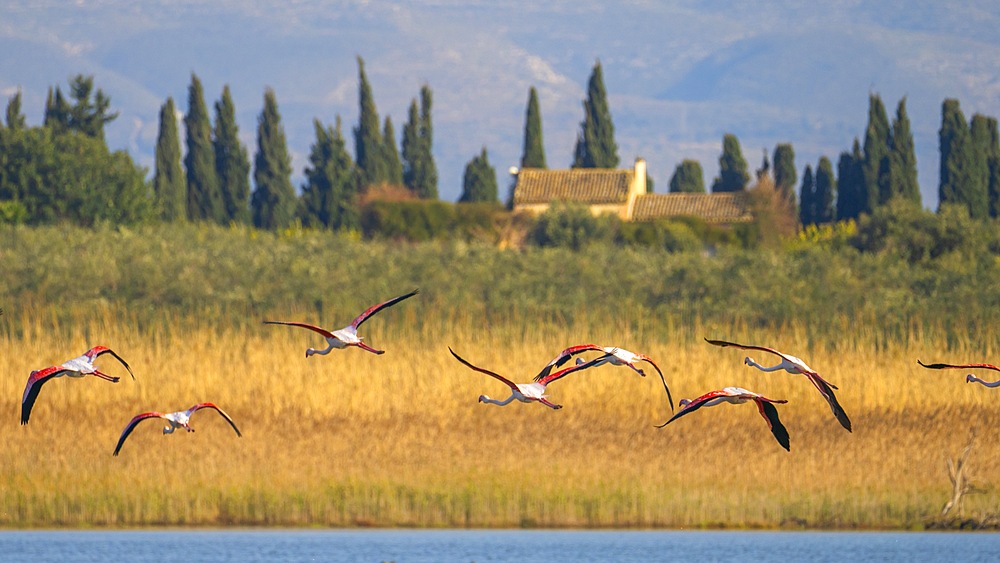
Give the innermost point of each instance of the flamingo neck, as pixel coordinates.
(994, 384)
(485, 399)
(750, 362)
(323, 352)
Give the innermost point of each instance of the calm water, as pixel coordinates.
(404, 546)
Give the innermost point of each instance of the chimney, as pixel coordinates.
(640, 175)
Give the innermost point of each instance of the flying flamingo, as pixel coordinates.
(794, 365)
(612, 355)
(525, 392)
(968, 378)
(347, 336)
(77, 367)
(736, 396)
(175, 420)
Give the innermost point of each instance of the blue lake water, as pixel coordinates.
(404, 546)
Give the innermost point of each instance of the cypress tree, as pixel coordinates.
(57, 111)
(595, 145)
(328, 194)
(807, 198)
(851, 199)
(688, 178)
(876, 147)
(368, 145)
(979, 169)
(733, 175)
(953, 139)
(393, 166)
(479, 184)
(903, 163)
(993, 164)
(169, 184)
(15, 119)
(419, 170)
(826, 191)
(273, 200)
(204, 201)
(232, 165)
(533, 154)
(785, 176)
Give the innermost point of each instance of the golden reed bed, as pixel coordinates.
(353, 439)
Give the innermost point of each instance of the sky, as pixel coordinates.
(679, 74)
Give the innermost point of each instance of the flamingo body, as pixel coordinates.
(737, 396)
(611, 355)
(175, 420)
(524, 392)
(795, 366)
(80, 366)
(347, 336)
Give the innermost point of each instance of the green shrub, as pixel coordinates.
(572, 226)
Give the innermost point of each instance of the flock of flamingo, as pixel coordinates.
(84, 365)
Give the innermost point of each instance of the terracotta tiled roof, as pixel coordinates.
(712, 208)
(584, 185)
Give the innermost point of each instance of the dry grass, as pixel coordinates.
(353, 439)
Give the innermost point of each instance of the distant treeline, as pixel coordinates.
(63, 171)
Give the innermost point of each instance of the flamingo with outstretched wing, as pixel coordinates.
(175, 420)
(737, 396)
(347, 336)
(79, 366)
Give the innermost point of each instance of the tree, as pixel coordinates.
(953, 139)
(851, 199)
(903, 158)
(785, 176)
(826, 191)
(86, 116)
(807, 198)
(273, 200)
(533, 154)
(232, 165)
(688, 178)
(595, 145)
(169, 184)
(733, 175)
(393, 166)
(15, 119)
(979, 169)
(993, 163)
(328, 196)
(57, 111)
(419, 170)
(876, 148)
(479, 183)
(204, 201)
(368, 145)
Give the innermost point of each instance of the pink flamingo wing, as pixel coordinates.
(770, 414)
(959, 366)
(726, 344)
(314, 328)
(564, 356)
(98, 351)
(376, 308)
(486, 371)
(131, 426)
(566, 371)
(695, 404)
(34, 386)
(229, 419)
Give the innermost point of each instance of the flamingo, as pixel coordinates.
(175, 420)
(77, 367)
(736, 396)
(794, 365)
(347, 336)
(525, 392)
(968, 378)
(612, 355)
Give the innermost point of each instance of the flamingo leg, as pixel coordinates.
(549, 404)
(368, 348)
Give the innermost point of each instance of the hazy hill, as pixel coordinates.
(679, 74)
